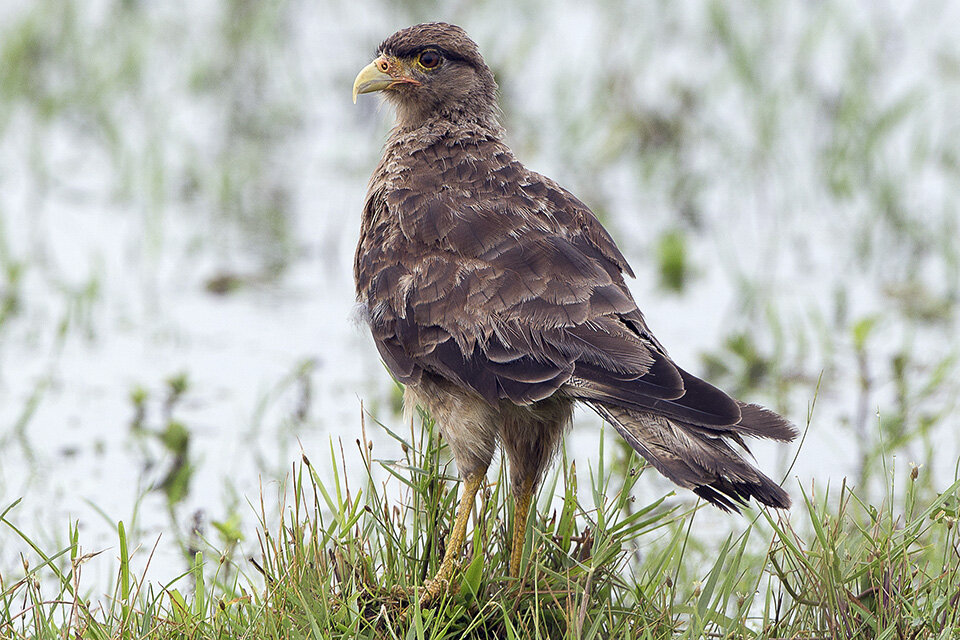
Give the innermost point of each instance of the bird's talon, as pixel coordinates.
(402, 593)
(433, 589)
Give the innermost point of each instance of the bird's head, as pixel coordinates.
(429, 71)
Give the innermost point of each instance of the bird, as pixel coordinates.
(499, 301)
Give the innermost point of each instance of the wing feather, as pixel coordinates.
(477, 271)
(494, 277)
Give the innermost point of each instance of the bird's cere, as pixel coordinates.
(382, 73)
(373, 77)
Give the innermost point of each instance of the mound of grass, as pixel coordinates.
(347, 561)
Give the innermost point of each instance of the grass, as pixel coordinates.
(346, 561)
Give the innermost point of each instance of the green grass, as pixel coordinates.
(344, 560)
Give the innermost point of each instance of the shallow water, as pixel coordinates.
(806, 154)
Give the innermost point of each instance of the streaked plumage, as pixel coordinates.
(498, 298)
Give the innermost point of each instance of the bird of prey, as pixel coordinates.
(498, 299)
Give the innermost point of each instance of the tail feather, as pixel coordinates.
(703, 460)
(702, 406)
(759, 422)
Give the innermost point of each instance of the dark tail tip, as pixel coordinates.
(730, 496)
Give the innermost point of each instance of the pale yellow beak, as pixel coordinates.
(371, 78)
(382, 73)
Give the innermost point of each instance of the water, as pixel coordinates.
(806, 154)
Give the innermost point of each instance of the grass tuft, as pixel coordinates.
(347, 561)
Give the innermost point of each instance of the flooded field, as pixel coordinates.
(179, 202)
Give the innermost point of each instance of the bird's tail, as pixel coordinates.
(700, 459)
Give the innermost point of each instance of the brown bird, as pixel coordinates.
(497, 298)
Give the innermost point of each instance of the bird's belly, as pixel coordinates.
(468, 422)
(472, 426)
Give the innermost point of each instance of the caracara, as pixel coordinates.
(497, 298)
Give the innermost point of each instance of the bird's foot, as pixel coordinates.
(429, 592)
(433, 589)
(402, 593)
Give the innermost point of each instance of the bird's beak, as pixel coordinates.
(383, 73)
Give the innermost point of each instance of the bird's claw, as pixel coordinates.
(433, 589)
(402, 593)
(429, 592)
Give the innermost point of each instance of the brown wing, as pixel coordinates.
(483, 273)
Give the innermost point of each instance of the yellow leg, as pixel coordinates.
(433, 588)
(522, 509)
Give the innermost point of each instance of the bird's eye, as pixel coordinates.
(429, 59)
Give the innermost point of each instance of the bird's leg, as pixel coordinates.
(433, 588)
(523, 495)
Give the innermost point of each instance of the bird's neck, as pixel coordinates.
(432, 130)
(409, 122)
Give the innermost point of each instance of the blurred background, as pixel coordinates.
(180, 192)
